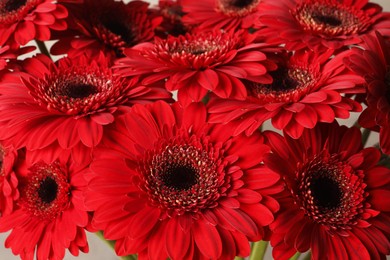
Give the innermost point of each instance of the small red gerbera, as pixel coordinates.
(69, 103)
(337, 201)
(24, 20)
(172, 12)
(175, 186)
(221, 14)
(50, 215)
(307, 88)
(197, 63)
(373, 64)
(9, 55)
(322, 24)
(111, 27)
(8, 180)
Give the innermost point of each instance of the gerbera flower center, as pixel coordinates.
(200, 52)
(46, 190)
(180, 178)
(329, 19)
(12, 5)
(238, 7)
(289, 84)
(329, 191)
(12, 11)
(79, 91)
(325, 191)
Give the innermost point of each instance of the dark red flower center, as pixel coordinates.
(237, 7)
(12, 11)
(198, 52)
(329, 19)
(13, 5)
(79, 90)
(330, 192)
(289, 84)
(326, 191)
(181, 178)
(46, 190)
(117, 33)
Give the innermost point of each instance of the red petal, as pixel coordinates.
(143, 222)
(177, 241)
(207, 239)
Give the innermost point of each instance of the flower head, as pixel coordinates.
(188, 189)
(69, 102)
(373, 64)
(111, 27)
(194, 64)
(221, 14)
(322, 24)
(49, 215)
(307, 88)
(336, 203)
(25, 20)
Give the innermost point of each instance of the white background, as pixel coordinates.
(98, 249)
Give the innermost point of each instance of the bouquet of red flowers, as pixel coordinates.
(149, 128)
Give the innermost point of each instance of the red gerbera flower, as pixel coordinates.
(8, 57)
(172, 12)
(111, 27)
(221, 14)
(8, 179)
(198, 63)
(69, 103)
(175, 186)
(307, 88)
(338, 200)
(49, 216)
(25, 20)
(322, 24)
(374, 64)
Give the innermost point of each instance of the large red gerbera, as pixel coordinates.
(25, 20)
(221, 14)
(111, 27)
(197, 63)
(50, 215)
(374, 64)
(165, 183)
(69, 103)
(338, 200)
(322, 24)
(307, 88)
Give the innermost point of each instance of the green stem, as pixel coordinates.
(296, 256)
(42, 48)
(307, 256)
(239, 258)
(366, 133)
(111, 244)
(258, 250)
